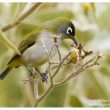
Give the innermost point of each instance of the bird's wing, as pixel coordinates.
(26, 43)
(29, 40)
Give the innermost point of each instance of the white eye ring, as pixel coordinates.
(69, 30)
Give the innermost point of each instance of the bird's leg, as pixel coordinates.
(31, 71)
(43, 75)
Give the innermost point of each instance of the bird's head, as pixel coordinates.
(62, 27)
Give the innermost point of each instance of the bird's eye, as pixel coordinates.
(69, 30)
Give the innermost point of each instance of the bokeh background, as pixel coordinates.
(92, 87)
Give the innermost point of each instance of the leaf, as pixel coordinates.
(43, 16)
(57, 97)
(104, 18)
(4, 39)
(75, 102)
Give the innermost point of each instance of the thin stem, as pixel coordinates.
(59, 66)
(36, 91)
(49, 62)
(90, 63)
(13, 23)
(82, 68)
(21, 17)
(43, 95)
(58, 52)
(63, 82)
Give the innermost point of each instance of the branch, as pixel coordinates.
(38, 99)
(49, 62)
(13, 23)
(63, 62)
(81, 69)
(21, 17)
(43, 96)
(60, 64)
(36, 92)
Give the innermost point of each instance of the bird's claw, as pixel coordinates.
(44, 77)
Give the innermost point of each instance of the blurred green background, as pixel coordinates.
(92, 87)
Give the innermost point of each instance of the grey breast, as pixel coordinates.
(36, 54)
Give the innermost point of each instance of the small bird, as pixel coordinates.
(32, 50)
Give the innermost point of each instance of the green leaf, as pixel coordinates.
(75, 102)
(7, 42)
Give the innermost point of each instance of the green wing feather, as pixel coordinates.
(29, 40)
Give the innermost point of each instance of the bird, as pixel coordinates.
(32, 49)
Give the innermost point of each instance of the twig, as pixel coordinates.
(13, 23)
(38, 99)
(43, 95)
(51, 79)
(21, 17)
(36, 91)
(93, 61)
(82, 68)
(88, 64)
(59, 55)
(49, 62)
(60, 64)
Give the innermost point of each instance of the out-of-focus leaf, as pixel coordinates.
(14, 95)
(104, 19)
(105, 71)
(48, 6)
(108, 59)
(25, 29)
(99, 87)
(51, 14)
(86, 35)
(5, 40)
(101, 42)
(89, 7)
(75, 102)
(57, 97)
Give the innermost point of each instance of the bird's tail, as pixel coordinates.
(5, 73)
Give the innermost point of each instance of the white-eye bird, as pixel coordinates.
(32, 51)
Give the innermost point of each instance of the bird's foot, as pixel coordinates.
(44, 77)
(31, 72)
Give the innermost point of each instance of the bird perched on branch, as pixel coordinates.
(32, 51)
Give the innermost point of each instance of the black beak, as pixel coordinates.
(75, 41)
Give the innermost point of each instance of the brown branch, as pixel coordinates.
(88, 64)
(36, 92)
(60, 64)
(38, 99)
(21, 17)
(92, 62)
(43, 95)
(13, 23)
(49, 62)
(59, 55)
